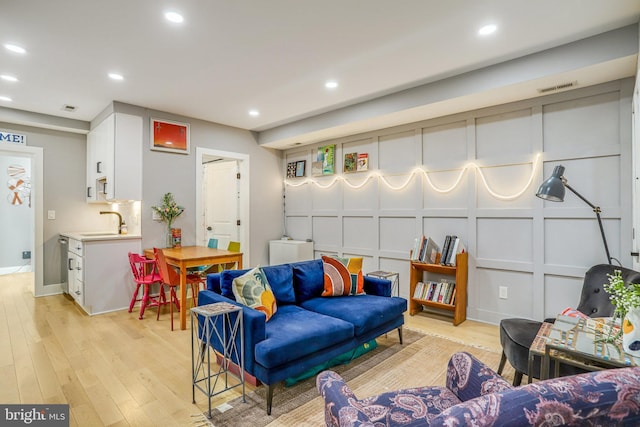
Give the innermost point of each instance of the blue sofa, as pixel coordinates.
(307, 330)
(476, 396)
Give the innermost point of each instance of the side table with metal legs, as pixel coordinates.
(218, 319)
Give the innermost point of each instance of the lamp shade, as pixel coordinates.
(553, 188)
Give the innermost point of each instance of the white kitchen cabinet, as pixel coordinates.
(286, 251)
(114, 159)
(100, 278)
(76, 271)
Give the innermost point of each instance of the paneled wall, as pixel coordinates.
(476, 177)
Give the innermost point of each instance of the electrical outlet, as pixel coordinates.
(502, 292)
(51, 214)
(26, 254)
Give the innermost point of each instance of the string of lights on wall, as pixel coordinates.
(420, 171)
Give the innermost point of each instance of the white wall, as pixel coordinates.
(167, 172)
(538, 250)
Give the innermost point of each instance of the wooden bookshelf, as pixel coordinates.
(459, 272)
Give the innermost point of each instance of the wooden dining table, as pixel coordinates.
(194, 256)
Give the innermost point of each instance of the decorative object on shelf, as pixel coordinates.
(291, 170)
(168, 211)
(326, 159)
(626, 299)
(316, 171)
(296, 169)
(363, 162)
(552, 189)
(169, 136)
(350, 160)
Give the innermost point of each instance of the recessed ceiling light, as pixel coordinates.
(487, 29)
(116, 76)
(173, 17)
(15, 48)
(5, 98)
(8, 78)
(254, 113)
(331, 84)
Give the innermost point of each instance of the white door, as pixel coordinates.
(221, 202)
(223, 199)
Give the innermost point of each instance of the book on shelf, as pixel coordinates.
(431, 252)
(425, 249)
(457, 248)
(445, 249)
(415, 253)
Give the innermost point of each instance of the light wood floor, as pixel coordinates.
(116, 370)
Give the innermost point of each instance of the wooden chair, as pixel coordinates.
(197, 277)
(233, 247)
(170, 278)
(145, 273)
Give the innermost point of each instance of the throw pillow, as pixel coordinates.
(252, 289)
(342, 276)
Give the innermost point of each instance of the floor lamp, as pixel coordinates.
(553, 189)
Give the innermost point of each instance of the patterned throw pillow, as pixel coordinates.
(252, 289)
(342, 276)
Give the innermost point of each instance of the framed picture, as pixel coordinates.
(291, 169)
(169, 136)
(350, 160)
(326, 159)
(300, 168)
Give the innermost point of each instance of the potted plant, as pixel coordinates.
(626, 299)
(168, 211)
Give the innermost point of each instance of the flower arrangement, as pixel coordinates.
(169, 210)
(623, 297)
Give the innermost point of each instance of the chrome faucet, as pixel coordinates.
(119, 219)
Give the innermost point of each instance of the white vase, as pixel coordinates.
(631, 332)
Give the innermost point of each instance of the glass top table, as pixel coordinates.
(578, 342)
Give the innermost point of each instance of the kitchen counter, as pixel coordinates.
(99, 273)
(88, 236)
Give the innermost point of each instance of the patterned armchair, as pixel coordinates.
(477, 396)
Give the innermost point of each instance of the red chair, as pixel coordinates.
(171, 278)
(145, 274)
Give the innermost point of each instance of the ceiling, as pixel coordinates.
(231, 56)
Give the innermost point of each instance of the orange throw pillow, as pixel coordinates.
(342, 276)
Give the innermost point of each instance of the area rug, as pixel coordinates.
(422, 360)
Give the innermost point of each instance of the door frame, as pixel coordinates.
(35, 154)
(244, 207)
(635, 170)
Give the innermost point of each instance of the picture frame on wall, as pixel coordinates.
(326, 158)
(170, 136)
(291, 169)
(300, 168)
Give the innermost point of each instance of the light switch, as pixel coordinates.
(51, 214)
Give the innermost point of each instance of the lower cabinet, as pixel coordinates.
(100, 277)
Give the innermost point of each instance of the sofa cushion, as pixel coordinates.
(308, 279)
(293, 333)
(365, 312)
(280, 279)
(252, 289)
(342, 276)
(226, 282)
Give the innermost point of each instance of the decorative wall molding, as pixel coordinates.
(424, 172)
